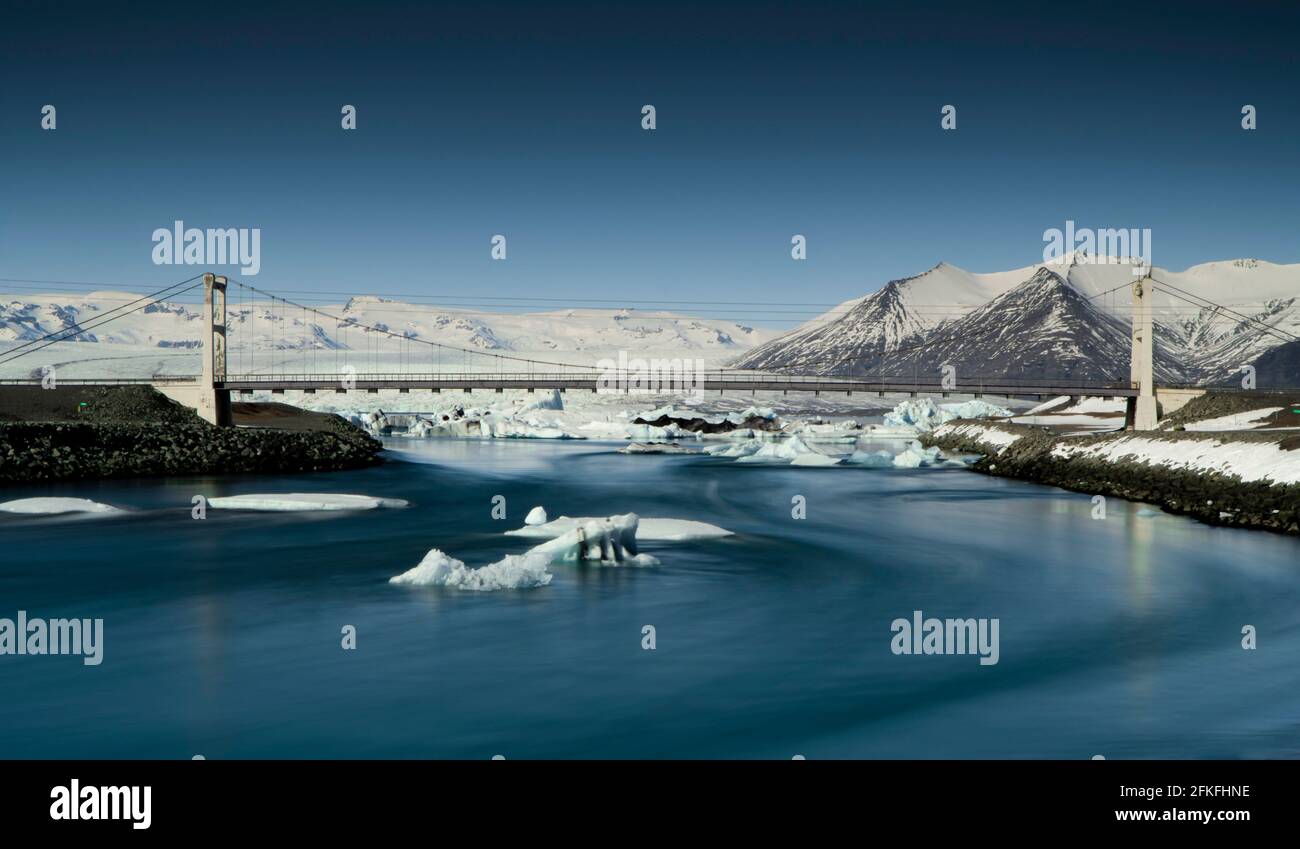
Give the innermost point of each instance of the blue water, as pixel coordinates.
(1119, 637)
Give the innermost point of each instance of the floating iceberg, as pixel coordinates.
(303, 501)
(611, 541)
(515, 571)
(779, 452)
(925, 415)
(654, 530)
(50, 506)
(872, 459)
(814, 460)
(914, 456)
(536, 516)
(735, 449)
(657, 448)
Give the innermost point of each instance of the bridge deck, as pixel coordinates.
(598, 382)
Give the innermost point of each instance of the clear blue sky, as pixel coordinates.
(524, 119)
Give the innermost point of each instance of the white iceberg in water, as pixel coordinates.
(646, 530)
(609, 541)
(814, 460)
(303, 501)
(536, 516)
(50, 506)
(733, 449)
(914, 456)
(925, 415)
(657, 448)
(515, 571)
(781, 452)
(871, 459)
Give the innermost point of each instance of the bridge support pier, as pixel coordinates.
(1145, 413)
(213, 404)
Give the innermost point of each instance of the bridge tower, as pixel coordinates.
(214, 403)
(1143, 414)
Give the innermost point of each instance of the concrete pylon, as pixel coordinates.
(213, 403)
(1142, 370)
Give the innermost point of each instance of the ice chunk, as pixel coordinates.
(56, 505)
(915, 457)
(611, 540)
(814, 460)
(872, 459)
(303, 501)
(924, 415)
(515, 571)
(657, 448)
(778, 452)
(735, 449)
(651, 529)
(536, 516)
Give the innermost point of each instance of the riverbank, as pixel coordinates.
(1236, 479)
(82, 433)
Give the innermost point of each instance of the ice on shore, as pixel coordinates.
(513, 572)
(303, 501)
(536, 516)
(52, 506)
(649, 529)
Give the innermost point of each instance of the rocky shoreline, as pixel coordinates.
(136, 433)
(1031, 454)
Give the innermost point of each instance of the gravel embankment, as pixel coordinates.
(133, 431)
(1138, 467)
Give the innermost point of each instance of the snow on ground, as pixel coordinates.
(51, 506)
(985, 434)
(514, 571)
(1237, 421)
(1090, 414)
(303, 501)
(1249, 461)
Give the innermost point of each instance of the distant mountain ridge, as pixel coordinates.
(1068, 319)
(170, 325)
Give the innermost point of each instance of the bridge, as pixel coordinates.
(439, 367)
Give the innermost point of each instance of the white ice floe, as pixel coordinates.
(657, 448)
(648, 529)
(925, 415)
(871, 459)
(536, 516)
(303, 501)
(610, 540)
(778, 452)
(732, 449)
(814, 460)
(914, 456)
(50, 506)
(515, 571)
(1249, 461)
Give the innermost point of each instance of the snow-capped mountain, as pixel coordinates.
(266, 326)
(1067, 319)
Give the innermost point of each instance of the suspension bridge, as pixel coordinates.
(328, 361)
